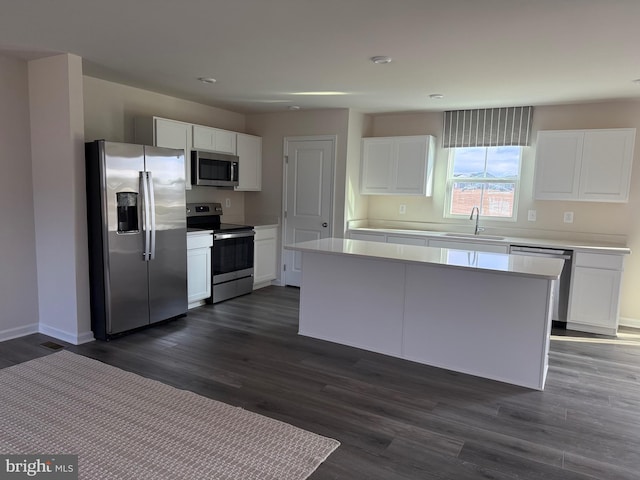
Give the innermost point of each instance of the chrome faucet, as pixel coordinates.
(477, 212)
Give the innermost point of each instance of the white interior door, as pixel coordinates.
(308, 196)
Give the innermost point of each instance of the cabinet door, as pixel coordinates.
(225, 141)
(198, 274)
(377, 175)
(411, 166)
(264, 261)
(249, 162)
(594, 299)
(558, 159)
(606, 165)
(214, 139)
(173, 134)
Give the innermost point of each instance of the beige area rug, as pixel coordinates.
(124, 426)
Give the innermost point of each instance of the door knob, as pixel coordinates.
(325, 224)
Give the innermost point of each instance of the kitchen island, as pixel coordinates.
(485, 314)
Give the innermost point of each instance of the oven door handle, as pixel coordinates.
(225, 236)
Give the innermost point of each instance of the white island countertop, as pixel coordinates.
(504, 263)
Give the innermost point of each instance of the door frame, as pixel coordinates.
(285, 172)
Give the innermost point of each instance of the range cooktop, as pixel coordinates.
(206, 216)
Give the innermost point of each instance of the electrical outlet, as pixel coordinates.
(568, 217)
(403, 209)
(531, 216)
(227, 202)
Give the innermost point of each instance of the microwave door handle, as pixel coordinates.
(145, 199)
(152, 207)
(233, 171)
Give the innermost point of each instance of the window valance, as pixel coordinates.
(490, 127)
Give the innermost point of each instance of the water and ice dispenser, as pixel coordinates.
(127, 205)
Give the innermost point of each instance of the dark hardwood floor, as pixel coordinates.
(396, 420)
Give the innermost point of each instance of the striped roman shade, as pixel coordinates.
(491, 127)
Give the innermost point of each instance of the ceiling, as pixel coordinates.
(477, 53)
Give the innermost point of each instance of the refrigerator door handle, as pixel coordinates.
(152, 206)
(147, 231)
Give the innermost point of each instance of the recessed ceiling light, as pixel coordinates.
(319, 93)
(209, 80)
(294, 107)
(436, 96)
(380, 59)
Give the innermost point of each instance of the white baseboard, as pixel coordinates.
(75, 339)
(257, 286)
(16, 332)
(629, 322)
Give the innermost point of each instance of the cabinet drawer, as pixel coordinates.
(371, 237)
(596, 260)
(199, 241)
(265, 233)
(407, 240)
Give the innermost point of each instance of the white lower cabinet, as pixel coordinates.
(198, 268)
(264, 258)
(594, 301)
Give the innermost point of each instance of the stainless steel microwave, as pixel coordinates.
(214, 169)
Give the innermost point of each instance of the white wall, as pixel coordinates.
(18, 274)
(356, 205)
(273, 128)
(57, 157)
(110, 109)
(601, 220)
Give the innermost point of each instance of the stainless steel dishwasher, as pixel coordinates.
(560, 303)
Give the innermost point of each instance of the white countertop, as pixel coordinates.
(461, 259)
(576, 245)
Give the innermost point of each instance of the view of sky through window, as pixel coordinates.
(485, 177)
(498, 162)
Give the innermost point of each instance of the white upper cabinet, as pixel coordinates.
(397, 165)
(249, 162)
(162, 132)
(558, 159)
(214, 139)
(584, 165)
(607, 157)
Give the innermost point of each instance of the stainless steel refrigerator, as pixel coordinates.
(137, 235)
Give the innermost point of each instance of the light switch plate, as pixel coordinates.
(403, 209)
(227, 203)
(531, 216)
(568, 217)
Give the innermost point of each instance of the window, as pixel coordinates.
(486, 177)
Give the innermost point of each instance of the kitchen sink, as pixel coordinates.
(471, 235)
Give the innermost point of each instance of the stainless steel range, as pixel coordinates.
(232, 251)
